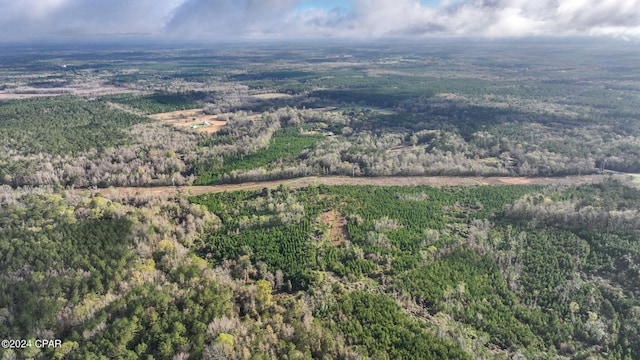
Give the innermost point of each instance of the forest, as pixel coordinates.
(111, 245)
(484, 272)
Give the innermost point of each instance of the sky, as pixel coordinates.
(212, 20)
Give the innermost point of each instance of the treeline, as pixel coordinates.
(160, 155)
(159, 102)
(481, 141)
(147, 154)
(288, 143)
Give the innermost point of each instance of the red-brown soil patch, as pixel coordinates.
(338, 226)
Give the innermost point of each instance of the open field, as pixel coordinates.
(270, 96)
(195, 119)
(85, 90)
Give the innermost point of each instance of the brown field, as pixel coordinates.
(86, 90)
(268, 96)
(170, 191)
(191, 118)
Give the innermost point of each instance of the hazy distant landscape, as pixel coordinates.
(506, 108)
(333, 200)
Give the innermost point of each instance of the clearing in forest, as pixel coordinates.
(337, 226)
(195, 119)
(89, 90)
(269, 96)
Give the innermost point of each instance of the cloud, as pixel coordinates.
(231, 18)
(38, 19)
(226, 19)
(495, 18)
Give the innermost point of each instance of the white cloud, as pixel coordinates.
(37, 19)
(497, 18)
(512, 21)
(231, 18)
(219, 19)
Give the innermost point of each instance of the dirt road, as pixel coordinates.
(167, 191)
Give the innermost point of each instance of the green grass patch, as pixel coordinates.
(285, 143)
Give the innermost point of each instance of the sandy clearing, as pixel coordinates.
(450, 96)
(195, 119)
(177, 114)
(268, 96)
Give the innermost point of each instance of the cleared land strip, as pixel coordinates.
(345, 180)
(194, 118)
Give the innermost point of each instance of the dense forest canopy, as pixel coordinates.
(325, 271)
